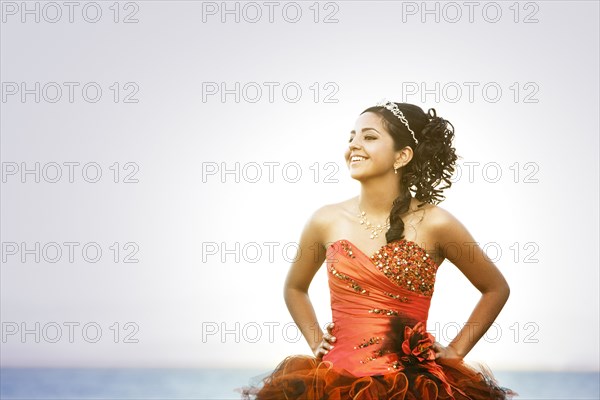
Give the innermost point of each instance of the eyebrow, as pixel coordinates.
(364, 129)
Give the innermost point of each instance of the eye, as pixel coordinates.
(370, 137)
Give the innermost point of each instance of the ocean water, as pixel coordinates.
(205, 384)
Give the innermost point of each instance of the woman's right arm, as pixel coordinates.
(311, 256)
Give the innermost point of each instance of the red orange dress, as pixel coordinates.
(380, 305)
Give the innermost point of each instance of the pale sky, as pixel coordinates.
(217, 192)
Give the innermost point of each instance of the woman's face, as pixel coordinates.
(370, 150)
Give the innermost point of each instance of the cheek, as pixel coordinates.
(380, 153)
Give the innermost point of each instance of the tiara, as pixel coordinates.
(396, 111)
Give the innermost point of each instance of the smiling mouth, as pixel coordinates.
(356, 159)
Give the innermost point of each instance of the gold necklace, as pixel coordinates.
(375, 230)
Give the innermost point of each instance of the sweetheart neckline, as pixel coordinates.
(386, 245)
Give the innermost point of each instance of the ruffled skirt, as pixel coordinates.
(305, 377)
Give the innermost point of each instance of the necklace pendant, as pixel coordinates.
(374, 229)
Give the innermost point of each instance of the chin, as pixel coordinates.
(358, 175)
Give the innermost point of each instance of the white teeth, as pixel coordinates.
(357, 158)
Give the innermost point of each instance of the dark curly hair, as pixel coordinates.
(433, 159)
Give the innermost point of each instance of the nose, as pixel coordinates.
(354, 143)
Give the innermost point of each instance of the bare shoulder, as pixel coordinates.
(437, 216)
(326, 216)
(444, 226)
(330, 212)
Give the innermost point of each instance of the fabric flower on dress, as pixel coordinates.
(418, 344)
(414, 347)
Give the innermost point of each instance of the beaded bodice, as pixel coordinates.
(367, 291)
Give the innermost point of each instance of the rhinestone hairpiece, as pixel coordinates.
(396, 111)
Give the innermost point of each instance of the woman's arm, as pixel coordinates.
(300, 275)
(459, 247)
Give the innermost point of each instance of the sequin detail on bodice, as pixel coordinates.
(403, 262)
(408, 265)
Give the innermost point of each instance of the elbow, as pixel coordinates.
(292, 295)
(505, 289)
(502, 290)
(286, 288)
(286, 292)
(289, 291)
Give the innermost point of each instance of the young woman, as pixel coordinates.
(382, 249)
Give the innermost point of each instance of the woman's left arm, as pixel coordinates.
(459, 247)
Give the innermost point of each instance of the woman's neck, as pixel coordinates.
(376, 198)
